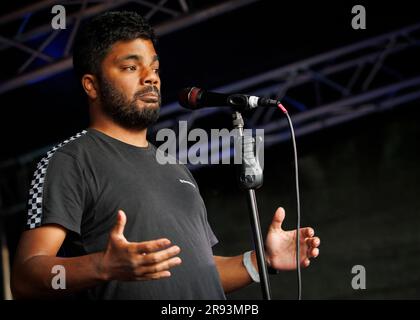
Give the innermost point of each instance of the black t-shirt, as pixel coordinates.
(83, 182)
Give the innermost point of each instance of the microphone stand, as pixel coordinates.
(250, 178)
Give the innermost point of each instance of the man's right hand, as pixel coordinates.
(149, 260)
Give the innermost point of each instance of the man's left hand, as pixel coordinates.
(280, 245)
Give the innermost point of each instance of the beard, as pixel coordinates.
(126, 112)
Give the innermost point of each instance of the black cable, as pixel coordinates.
(299, 276)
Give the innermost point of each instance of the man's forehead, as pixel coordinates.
(139, 49)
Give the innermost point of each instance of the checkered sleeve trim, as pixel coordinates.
(37, 184)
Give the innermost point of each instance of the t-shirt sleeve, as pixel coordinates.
(209, 231)
(58, 193)
(210, 234)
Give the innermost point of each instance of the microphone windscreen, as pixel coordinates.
(188, 98)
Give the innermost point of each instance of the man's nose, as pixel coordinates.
(151, 78)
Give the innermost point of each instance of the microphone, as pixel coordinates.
(194, 98)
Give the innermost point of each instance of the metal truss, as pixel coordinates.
(172, 15)
(335, 87)
(351, 72)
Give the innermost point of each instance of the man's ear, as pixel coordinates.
(90, 85)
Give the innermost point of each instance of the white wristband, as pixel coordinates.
(249, 266)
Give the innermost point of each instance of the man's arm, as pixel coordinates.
(233, 273)
(280, 254)
(122, 260)
(36, 257)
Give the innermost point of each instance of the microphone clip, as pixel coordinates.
(250, 173)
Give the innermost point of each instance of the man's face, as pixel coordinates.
(130, 84)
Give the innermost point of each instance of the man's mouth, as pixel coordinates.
(149, 97)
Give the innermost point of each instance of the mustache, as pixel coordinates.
(146, 90)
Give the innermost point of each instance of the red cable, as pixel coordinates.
(282, 108)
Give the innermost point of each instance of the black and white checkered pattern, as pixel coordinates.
(35, 193)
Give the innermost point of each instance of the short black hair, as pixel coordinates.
(96, 36)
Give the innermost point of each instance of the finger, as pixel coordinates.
(150, 246)
(157, 257)
(278, 218)
(306, 263)
(118, 228)
(162, 266)
(155, 276)
(313, 253)
(313, 242)
(307, 232)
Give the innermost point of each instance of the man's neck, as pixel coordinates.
(134, 137)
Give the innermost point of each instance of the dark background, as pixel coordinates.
(359, 186)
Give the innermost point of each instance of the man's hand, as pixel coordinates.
(149, 260)
(281, 245)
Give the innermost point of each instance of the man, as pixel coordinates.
(121, 225)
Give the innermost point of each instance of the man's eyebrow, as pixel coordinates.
(130, 57)
(135, 57)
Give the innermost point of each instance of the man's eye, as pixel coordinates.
(157, 71)
(130, 68)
